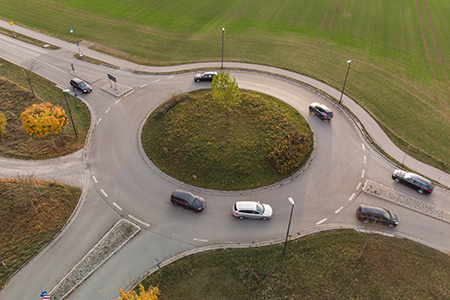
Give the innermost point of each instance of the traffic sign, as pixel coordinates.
(71, 30)
(44, 293)
(46, 298)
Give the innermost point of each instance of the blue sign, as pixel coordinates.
(71, 30)
(44, 293)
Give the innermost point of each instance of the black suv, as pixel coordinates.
(323, 112)
(81, 85)
(421, 184)
(205, 76)
(375, 214)
(188, 200)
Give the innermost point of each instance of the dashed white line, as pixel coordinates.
(103, 192)
(118, 101)
(126, 95)
(107, 110)
(351, 197)
(365, 159)
(362, 173)
(144, 85)
(359, 185)
(364, 147)
(95, 179)
(155, 81)
(139, 221)
(118, 207)
(200, 240)
(171, 76)
(99, 121)
(321, 221)
(337, 211)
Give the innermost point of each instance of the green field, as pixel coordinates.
(399, 48)
(321, 266)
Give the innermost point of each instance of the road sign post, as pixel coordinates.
(112, 78)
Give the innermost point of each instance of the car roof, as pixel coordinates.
(372, 209)
(325, 108)
(76, 79)
(181, 194)
(246, 205)
(417, 176)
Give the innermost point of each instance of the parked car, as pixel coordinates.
(421, 184)
(81, 85)
(188, 200)
(323, 112)
(252, 210)
(205, 76)
(377, 215)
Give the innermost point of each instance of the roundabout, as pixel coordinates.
(119, 183)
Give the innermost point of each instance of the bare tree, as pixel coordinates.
(29, 72)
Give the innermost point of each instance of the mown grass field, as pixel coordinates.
(321, 266)
(16, 96)
(32, 212)
(189, 138)
(399, 48)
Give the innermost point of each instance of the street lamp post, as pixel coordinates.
(223, 32)
(70, 114)
(349, 62)
(289, 226)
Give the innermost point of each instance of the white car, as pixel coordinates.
(252, 210)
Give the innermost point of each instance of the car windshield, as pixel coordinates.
(82, 84)
(386, 214)
(259, 208)
(190, 199)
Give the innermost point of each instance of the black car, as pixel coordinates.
(205, 76)
(421, 184)
(81, 85)
(188, 200)
(323, 112)
(377, 215)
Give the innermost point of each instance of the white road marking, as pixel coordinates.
(337, 211)
(321, 221)
(155, 81)
(118, 207)
(99, 121)
(107, 110)
(362, 173)
(95, 179)
(171, 76)
(200, 240)
(144, 85)
(364, 147)
(365, 159)
(104, 193)
(129, 93)
(139, 221)
(377, 232)
(351, 197)
(118, 101)
(359, 185)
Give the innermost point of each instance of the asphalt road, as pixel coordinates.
(118, 180)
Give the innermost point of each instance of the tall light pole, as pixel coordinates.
(70, 114)
(349, 62)
(289, 226)
(223, 32)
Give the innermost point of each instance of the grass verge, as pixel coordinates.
(33, 211)
(322, 266)
(265, 141)
(16, 95)
(27, 39)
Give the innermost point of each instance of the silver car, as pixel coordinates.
(252, 210)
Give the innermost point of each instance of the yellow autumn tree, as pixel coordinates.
(152, 294)
(3, 122)
(44, 118)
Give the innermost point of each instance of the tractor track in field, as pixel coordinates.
(441, 60)
(427, 50)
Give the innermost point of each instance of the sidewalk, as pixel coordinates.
(372, 128)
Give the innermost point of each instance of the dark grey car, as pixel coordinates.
(323, 112)
(188, 200)
(379, 215)
(81, 85)
(421, 184)
(205, 76)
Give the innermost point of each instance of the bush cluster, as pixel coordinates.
(290, 153)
